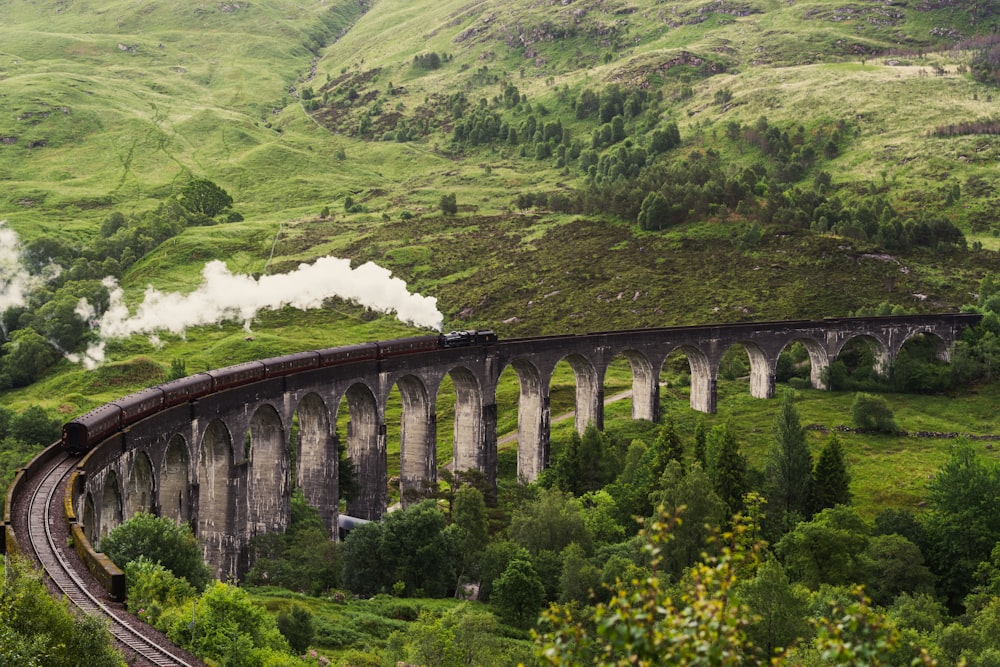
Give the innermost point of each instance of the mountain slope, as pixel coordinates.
(551, 124)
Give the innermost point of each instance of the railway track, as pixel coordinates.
(66, 579)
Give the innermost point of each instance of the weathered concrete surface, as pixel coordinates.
(224, 463)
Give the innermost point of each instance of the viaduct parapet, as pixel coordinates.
(225, 464)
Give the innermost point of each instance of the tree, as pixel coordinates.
(518, 595)
(691, 497)
(463, 636)
(201, 195)
(549, 523)
(410, 546)
(303, 558)
(152, 588)
(727, 467)
(653, 624)
(38, 631)
(497, 556)
(161, 540)
(777, 607)
(872, 413)
(826, 550)
(59, 322)
(448, 204)
(26, 356)
(33, 425)
(895, 565)
(469, 516)
(588, 463)
(831, 481)
(631, 489)
(579, 576)
(700, 442)
(297, 627)
(962, 525)
(654, 211)
(789, 468)
(667, 447)
(363, 571)
(226, 626)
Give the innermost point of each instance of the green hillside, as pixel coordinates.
(804, 131)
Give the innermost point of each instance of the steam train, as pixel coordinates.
(80, 434)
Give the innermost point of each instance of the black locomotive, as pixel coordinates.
(80, 434)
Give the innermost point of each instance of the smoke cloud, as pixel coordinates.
(221, 296)
(224, 295)
(15, 280)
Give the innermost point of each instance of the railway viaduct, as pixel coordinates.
(224, 462)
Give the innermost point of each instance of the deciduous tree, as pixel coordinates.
(201, 195)
(161, 540)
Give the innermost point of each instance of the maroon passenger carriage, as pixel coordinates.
(82, 433)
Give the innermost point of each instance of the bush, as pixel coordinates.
(297, 627)
(161, 540)
(448, 204)
(872, 413)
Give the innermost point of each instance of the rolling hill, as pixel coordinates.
(800, 135)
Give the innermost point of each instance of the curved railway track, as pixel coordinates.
(45, 545)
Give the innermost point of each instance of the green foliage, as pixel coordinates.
(789, 467)
(497, 556)
(727, 467)
(518, 595)
(827, 549)
(872, 413)
(588, 462)
(302, 559)
(153, 588)
(550, 522)
(650, 624)
(38, 631)
(448, 204)
(411, 546)
(777, 608)
(178, 369)
(224, 625)
(461, 636)
(34, 426)
(26, 356)
(296, 625)
(895, 566)
(691, 495)
(962, 526)
(472, 525)
(202, 196)
(830, 479)
(161, 540)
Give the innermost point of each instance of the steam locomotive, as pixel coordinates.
(80, 434)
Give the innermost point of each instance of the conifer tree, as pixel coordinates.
(667, 447)
(700, 438)
(831, 481)
(728, 469)
(789, 468)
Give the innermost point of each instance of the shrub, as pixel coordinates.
(161, 540)
(872, 413)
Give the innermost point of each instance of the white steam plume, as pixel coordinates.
(223, 295)
(15, 280)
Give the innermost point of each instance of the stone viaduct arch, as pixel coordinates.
(224, 463)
